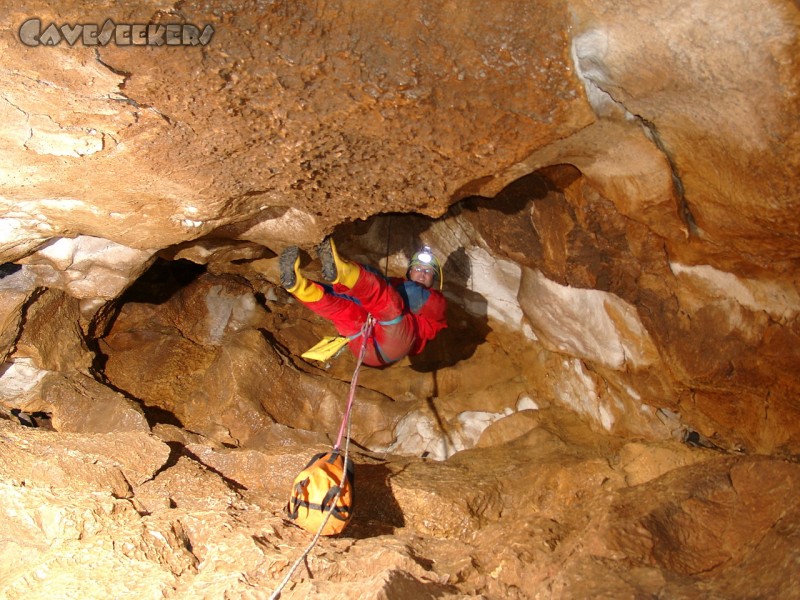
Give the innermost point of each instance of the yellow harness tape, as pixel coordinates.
(326, 348)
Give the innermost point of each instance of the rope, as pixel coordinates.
(366, 333)
(388, 246)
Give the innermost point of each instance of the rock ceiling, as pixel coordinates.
(613, 187)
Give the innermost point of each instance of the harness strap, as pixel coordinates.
(338, 512)
(394, 321)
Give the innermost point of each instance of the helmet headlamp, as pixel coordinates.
(425, 257)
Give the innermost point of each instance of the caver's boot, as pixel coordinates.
(334, 268)
(293, 281)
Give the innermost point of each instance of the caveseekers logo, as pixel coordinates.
(137, 34)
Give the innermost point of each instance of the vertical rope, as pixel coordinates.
(388, 246)
(366, 333)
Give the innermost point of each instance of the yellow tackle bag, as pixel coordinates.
(314, 489)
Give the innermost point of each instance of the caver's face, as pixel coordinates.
(422, 275)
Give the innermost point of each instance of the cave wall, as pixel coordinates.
(656, 271)
(292, 119)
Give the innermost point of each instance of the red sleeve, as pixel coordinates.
(431, 319)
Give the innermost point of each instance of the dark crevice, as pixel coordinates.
(123, 97)
(22, 321)
(652, 133)
(125, 74)
(158, 284)
(515, 196)
(683, 206)
(696, 440)
(178, 450)
(175, 452)
(34, 420)
(162, 280)
(7, 269)
(228, 481)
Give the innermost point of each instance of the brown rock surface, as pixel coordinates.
(51, 336)
(612, 188)
(522, 520)
(263, 94)
(82, 405)
(217, 335)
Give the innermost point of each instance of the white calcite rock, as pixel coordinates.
(87, 267)
(225, 311)
(588, 324)
(578, 389)
(20, 381)
(418, 434)
(48, 137)
(497, 282)
(291, 226)
(779, 299)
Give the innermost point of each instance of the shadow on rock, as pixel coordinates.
(467, 320)
(376, 509)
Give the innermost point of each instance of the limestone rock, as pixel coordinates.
(642, 463)
(82, 405)
(612, 336)
(396, 90)
(21, 385)
(509, 428)
(612, 188)
(420, 487)
(188, 485)
(609, 63)
(707, 530)
(16, 290)
(249, 383)
(89, 268)
(87, 545)
(52, 337)
(270, 471)
(109, 462)
(462, 527)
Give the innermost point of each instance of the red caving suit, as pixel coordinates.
(421, 314)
